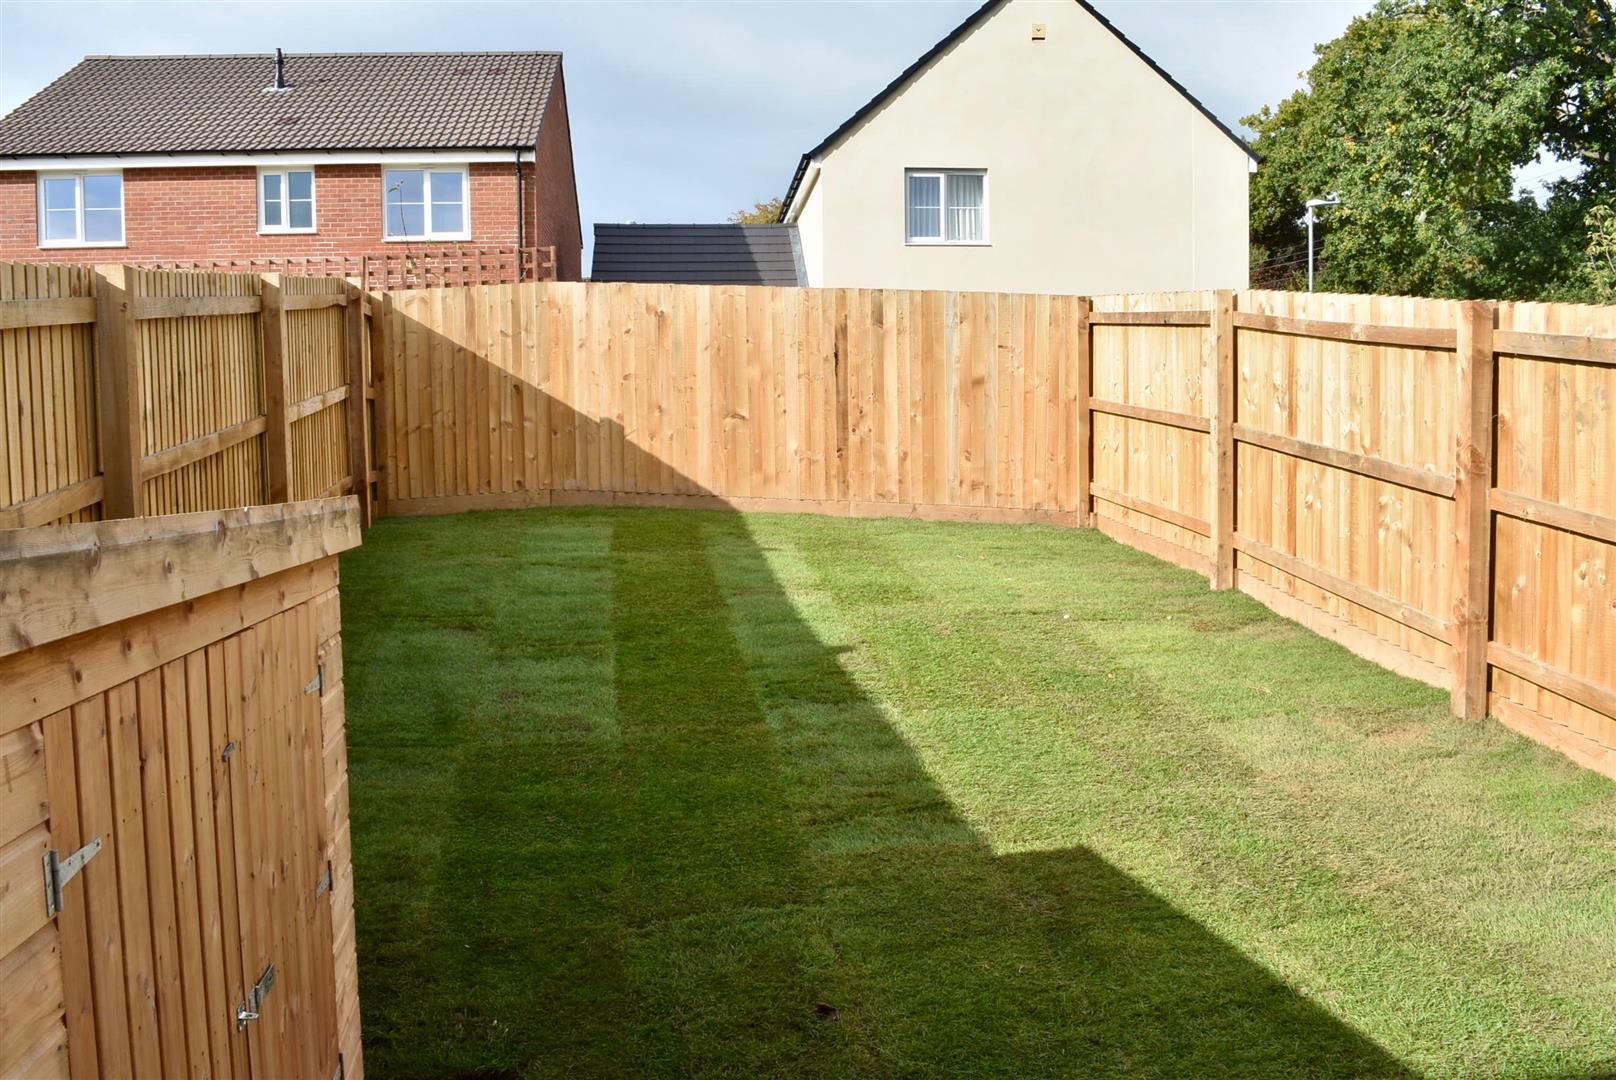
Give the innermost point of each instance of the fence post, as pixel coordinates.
(117, 391)
(844, 412)
(278, 424)
(1472, 601)
(1085, 417)
(1223, 405)
(358, 401)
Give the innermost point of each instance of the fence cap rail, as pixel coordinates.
(62, 581)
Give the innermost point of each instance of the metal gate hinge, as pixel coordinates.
(317, 684)
(59, 871)
(324, 885)
(253, 1006)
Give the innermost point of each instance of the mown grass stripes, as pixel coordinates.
(647, 794)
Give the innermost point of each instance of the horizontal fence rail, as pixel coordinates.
(131, 392)
(1427, 482)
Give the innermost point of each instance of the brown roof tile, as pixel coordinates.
(336, 101)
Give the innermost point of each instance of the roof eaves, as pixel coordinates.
(1174, 83)
(879, 99)
(549, 95)
(456, 148)
(956, 34)
(323, 55)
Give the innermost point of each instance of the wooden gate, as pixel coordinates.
(172, 729)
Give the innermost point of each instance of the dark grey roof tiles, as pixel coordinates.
(698, 254)
(336, 101)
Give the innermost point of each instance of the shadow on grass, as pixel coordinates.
(775, 806)
(619, 812)
(643, 823)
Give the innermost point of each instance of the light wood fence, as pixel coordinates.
(955, 405)
(1428, 482)
(176, 888)
(131, 392)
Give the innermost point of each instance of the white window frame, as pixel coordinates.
(942, 176)
(286, 200)
(78, 176)
(426, 192)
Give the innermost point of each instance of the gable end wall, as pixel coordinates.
(1102, 177)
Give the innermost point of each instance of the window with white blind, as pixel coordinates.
(946, 206)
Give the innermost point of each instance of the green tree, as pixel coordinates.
(763, 213)
(1600, 257)
(1418, 116)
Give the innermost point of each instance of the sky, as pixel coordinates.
(681, 111)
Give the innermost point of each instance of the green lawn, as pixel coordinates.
(646, 794)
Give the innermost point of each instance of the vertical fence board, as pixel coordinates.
(1292, 483)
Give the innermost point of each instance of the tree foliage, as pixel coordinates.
(1600, 267)
(763, 213)
(1419, 116)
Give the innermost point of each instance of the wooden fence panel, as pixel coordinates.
(1554, 587)
(318, 386)
(200, 374)
(1317, 451)
(49, 457)
(33, 1032)
(960, 401)
(1151, 396)
(219, 853)
(850, 402)
(1324, 530)
(175, 363)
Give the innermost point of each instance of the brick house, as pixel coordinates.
(326, 157)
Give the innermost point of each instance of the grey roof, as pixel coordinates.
(699, 254)
(336, 101)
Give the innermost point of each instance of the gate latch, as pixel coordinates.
(253, 1006)
(59, 871)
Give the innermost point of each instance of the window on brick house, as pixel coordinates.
(81, 209)
(426, 204)
(286, 201)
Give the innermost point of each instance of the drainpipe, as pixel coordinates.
(521, 223)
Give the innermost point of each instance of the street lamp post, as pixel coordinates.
(1312, 206)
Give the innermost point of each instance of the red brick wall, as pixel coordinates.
(555, 202)
(212, 213)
